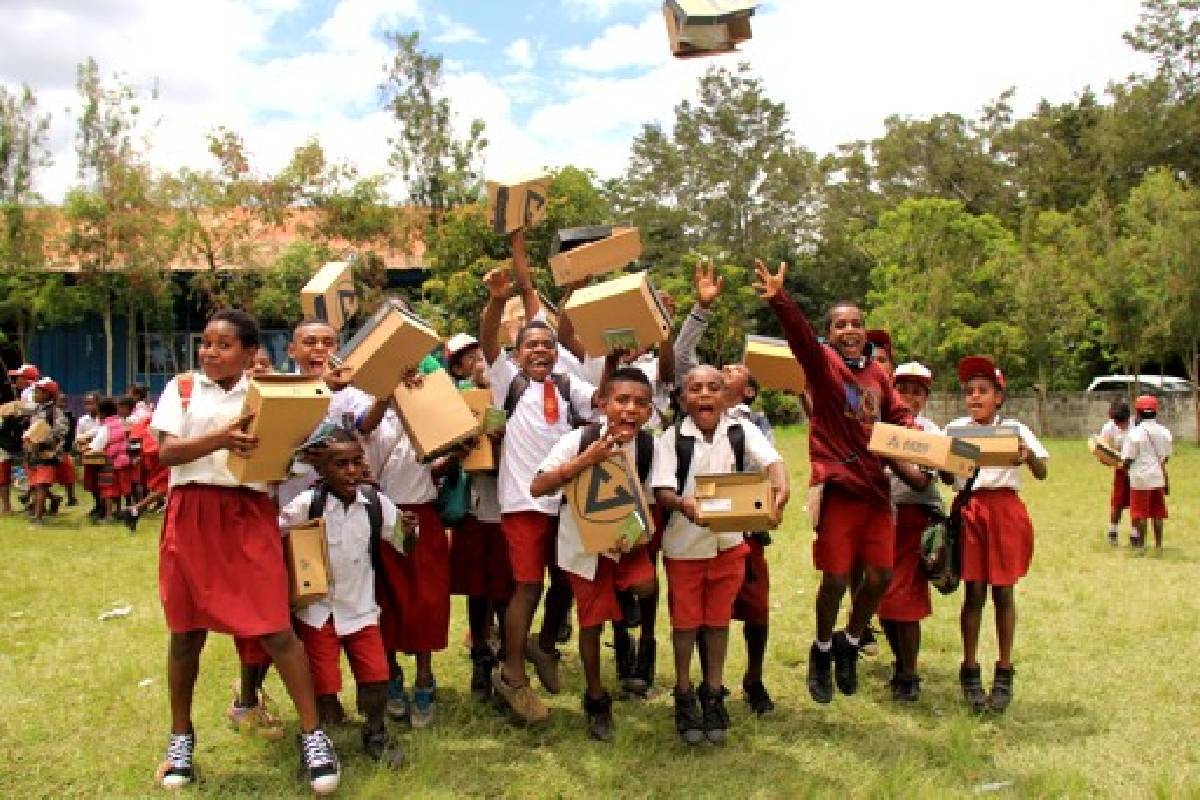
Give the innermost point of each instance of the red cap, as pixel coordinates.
(25, 371)
(49, 385)
(981, 367)
(880, 338)
(1146, 402)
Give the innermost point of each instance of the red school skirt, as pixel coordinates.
(64, 473)
(479, 561)
(907, 597)
(220, 562)
(155, 476)
(414, 595)
(997, 546)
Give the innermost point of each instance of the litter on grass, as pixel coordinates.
(116, 612)
(996, 786)
(144, 682)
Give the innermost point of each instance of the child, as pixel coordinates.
(130, 476)
(850, 496)
(1113, 434)
(221, 555)
(915, 494)
(65, 474)
(42, 458)
(997, 536)
(349, 617)
(881, 350)
(109, 439)
(24, 377)
(1144, 455)
(142, 410)
(705, 570)
(626, 400)
(85, 430)
(153, 477)
(262, 364)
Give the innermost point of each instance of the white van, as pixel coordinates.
(1149, 384)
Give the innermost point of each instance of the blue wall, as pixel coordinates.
(74, 355)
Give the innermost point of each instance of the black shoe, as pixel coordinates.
(482, 664)
(867, 643)
(972, 687)
(688, 719)
(644, 671)
(55, 504)
(895, 679)
(319, 762)
(757, 698)
(716, 718)
(599, 717)
(129, 518)
(820, 674)
(1112, 538)
(631, 609)
(382, 748)
(1002, 689)
(845, 664)
(565, 632)
(626, 655)
(906, 688)
(96, 514)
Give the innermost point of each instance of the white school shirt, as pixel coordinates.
(571, 555)
(485, 497)
(683, 538)
(100, 440)
(351, 600)
(394, 463)
(27, 394)
(528, 437)
(1002, 477)
(345, 406)
(1147, 444)
(1112, 435)
(86, 425)
(210, 409)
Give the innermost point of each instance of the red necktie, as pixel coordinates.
(550, 402)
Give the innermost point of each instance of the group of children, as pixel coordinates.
(1140, 480)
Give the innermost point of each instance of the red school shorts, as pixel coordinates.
(6, 472)
(596, 600)
(414, 595)
(364, 651)
(1147, 504)
(907, 597)
(700, 592)
(997, 546)
(250, 652)
(531, 538)
(64, 473)
(155, 476)
(42, 475)
(1119, 499)
(479, 561)
(753, 603)
(852, 531)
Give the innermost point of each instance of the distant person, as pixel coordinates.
(1145, 454)
(1113, 436)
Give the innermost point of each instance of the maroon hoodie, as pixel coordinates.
(846, 404)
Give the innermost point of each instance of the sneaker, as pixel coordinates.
(845, 664)
(757, 698)
(688, 719)
(565, 632)
(545, 663)
(644, 671)
(1002, 689)
(520, 699)
(319, 761)
(256, 720)
(177, 769)
(422, 705)
(868, 645)
(820, 674)
(329, 711)
(972, 687)
(129, 518)
(906, 688)
(95, 515)
(1112, 538)
(398, 707)
(382, 748)
(482, 664)
(599, 717)
(1137, 541)
(715, 717)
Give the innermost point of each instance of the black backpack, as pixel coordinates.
(521, 382)
(316, 508)
(685, 446)
(644, 449)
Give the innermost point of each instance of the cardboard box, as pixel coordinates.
(772, 362)
(567, 239)
(624, 312)
(94, 458)
(482, 457)
(925, 449)
(329, 295)
(706, 27)
(15, 408)
(512, 205)
(286, 410)
(307, 555)
(39, 432)
(736, 501)
(999, 445)
(392, 342)
(1103, 453)
(435, 416)
(598, 257)
(610, 506)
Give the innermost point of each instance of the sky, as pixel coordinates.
(556, 81)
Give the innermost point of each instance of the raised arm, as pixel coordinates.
(523, 276)
(796, 329)
(566, 329)
(708, 289)
(499, 286)
(666, 353)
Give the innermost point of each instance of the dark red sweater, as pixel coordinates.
(846, 404)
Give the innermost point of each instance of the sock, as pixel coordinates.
(853, 640)
(824, 647)
(133, 512)
(1112, 527)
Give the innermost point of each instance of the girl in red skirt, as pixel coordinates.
(220, 554)
(997, 536)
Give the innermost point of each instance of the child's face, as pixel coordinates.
(124, 409)
(467, 362)
(737, 379)
(89, 405)
(537, 353)
(881, 357)
(261, 365)
(703, 397)
(342, 466)
(311, 348)
(914, 394)
(41, 396)
(61, 401)
(983, 399)
(627, 407)
(847, 334)
(222, 354)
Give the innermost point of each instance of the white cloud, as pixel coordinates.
(602, 9)
(622, 46)
(456, 32)
(520, 53)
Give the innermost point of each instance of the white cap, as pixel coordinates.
(459, 342)
(913, 370)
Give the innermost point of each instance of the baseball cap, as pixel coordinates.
(25, 371)
(913, 371)
(1146, 402)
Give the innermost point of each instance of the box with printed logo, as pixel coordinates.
(609, 505)
(624, 312)
(521, 203)
(581, 257)
(773, 364)
(329, 295)
(393, 341)
(735, 501)
(924, 449)
(999, 445)
(307, 555)
(286, 409)
(435, 416)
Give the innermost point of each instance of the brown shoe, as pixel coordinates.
(545, 663)
(521, 699)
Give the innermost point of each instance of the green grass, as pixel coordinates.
(1106, 698)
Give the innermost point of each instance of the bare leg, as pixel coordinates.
(1158, 534)
(424, 677)
(908, 638)
(589, 655)
(518, 618)
(183, 666)
(1005, 602)
(829, 599)
(874, 584)
(683, 642)
(252, 678)
(974, 598)
(716, 644)
(557, 607)
(756, 650)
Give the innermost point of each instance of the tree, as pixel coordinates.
(1169, 30)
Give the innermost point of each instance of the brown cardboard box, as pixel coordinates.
(286, 410)
(926, 449)
(624, 312)
(329, 295)
(94, 458)
(517, 204)
(307, 556)
(435, 416)
(597, 258)
(482, 457)
(706, 27)
(610, 507)
(736, 501)
(39, 432)
(999, 445)
(1103, 453)
(393, 341)
(772, 362)
(15, 408)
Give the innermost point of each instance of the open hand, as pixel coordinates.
(598, 451)
(769, 286)
(499, 283)
(708, 285)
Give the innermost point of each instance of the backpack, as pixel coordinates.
(521, 382)
(685, 446)
(454, 496)
(316, 508)
(644, 449)
(941, 543)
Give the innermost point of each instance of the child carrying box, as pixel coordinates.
(42, 453)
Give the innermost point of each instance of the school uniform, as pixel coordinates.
(65, 473)
(479, 565)
(348, 619)
(539, 420)
(591, 369)
(114, 479)
(1148, 444)
(753, 603)
(86, 428)
(41, 460)
(1114, 436)
(221, 562)
(705, 570)
(346, 407)
(151, 473)
(997, 534)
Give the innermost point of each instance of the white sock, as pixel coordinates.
(824, 647)
(1112, 528)
(853, 640)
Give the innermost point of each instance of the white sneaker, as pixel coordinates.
(177, 770)
(319, 761)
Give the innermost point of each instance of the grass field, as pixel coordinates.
(1107, 651)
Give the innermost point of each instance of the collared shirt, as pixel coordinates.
(1002, 477)
(1113, 435)
(394, 463)
(86, 425)
(351, 600)
(210, 408)
(1148, 444)
(905, 495)
(684, 539)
